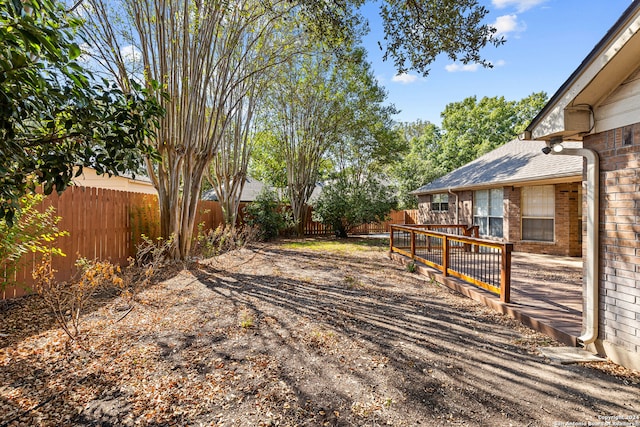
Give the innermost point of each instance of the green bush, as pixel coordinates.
(266, 216)
(345, 205)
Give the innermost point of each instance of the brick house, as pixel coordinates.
(515, 193)
(599, 105)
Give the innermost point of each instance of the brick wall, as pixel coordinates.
(619, 152)
(567, 220)
(428, 216)
(465, 210)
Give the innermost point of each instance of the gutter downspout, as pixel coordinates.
(457, 199)
(590, 312)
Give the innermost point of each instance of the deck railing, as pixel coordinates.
(481, 262)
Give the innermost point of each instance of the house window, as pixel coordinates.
(488, 211)
(538, 212)
(440, 202)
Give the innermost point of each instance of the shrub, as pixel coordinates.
(266, 215)
(412, 267)
(345, 205)
(223, 239)
(67, 300)
(32, 231)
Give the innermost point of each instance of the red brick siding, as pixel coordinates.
(567, 222)
(619, 236)
(427, 216)
(465, 210)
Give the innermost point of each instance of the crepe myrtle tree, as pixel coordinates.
(210, 56)
(190, 47)
(54, 117)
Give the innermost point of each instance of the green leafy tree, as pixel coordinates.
(267, 163)
(472, 127)
(369, 142)
(326, 116)
(417, 166)
(307, 112)
(54, 117)
(344, 204)
(416, 32)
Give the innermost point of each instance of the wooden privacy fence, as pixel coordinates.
(102, 224)
(313, 228)
(483, 263)
(107, 224)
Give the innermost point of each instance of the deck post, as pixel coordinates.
(413, 244)
(445, 255)
(391, 238)
(505, 273)
(476, 233)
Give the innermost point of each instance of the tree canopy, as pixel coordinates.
(417, 165)
(54, 118)
(416, 32)
(470, 128)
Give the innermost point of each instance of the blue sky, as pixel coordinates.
(546, 41)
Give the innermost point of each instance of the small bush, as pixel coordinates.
(224, 239)
(412, 267)
(32, 231)
(67, 300)
(266, 216)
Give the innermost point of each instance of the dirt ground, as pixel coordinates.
(320, 333)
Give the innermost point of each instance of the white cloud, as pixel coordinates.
(131, 53)
(455, 67)
(520, 5)
(507, 24)
(404, 78)
(471, 68)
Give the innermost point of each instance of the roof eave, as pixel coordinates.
(602, 55)
(558, 179)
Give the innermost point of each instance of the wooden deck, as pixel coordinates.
(546, 293)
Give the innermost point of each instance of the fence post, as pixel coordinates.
(505, 273)
(445, 255)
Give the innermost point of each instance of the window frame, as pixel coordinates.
(440, 202)
(526, 236)
(485, 220)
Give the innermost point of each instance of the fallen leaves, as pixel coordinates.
(347, 340)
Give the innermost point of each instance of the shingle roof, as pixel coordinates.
(250, 191)
(515, 162)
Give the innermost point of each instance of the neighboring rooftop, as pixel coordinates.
(252, 187)
(516, 162)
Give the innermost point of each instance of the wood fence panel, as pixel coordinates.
(107, 224)
(64, 209)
